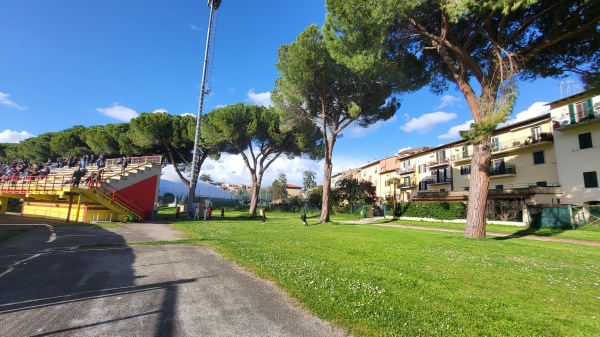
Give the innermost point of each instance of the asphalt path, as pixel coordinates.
(58, 280)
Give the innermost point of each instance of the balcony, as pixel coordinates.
(438, 163)
(433, 181)
(518, 143)
(465, 156)
(405, 170)
(566, 122)
(404, 186)
(509, 145)
(503, 170)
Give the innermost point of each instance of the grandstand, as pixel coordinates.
(104, 194)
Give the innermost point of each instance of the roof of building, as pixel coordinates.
(293, 186)
(575, 97)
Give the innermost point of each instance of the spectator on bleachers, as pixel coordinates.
(76, 176)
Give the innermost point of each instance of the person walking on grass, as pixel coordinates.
(303, 217)
(262, 215)
(197, 212)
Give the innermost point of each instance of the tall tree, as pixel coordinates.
(166, 134)
(308, 180)
(479, 46)
(68, 143)
(395, 182)
(279, 187)
(352, 191)
(35, 149)
(255, 133)
(314, 86)
(101, 140)
(206, 177)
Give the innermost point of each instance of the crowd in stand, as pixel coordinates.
(23, 169)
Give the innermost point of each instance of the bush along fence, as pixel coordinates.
(442, 210)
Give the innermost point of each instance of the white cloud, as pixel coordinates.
(119, 112)
(196, 28)
(536, 109)
(453, 131)
(447, 101)
(188, 114)
(160, 110)
(404, 149)
(9, 136)
(261, 98)
(5, 101)
(427, 121)
(355, 131)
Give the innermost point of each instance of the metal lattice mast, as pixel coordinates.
(204, 89)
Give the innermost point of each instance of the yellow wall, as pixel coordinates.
(60, 209)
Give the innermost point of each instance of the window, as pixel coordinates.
(590, 179)
(495, 144)
(536, 132)
(581, 110)
(538, 157)
(465, 151)
(465, 169)
(585, 140)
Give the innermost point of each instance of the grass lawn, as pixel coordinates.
(581, 234)
(382, 281)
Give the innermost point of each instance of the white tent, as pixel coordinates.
(203, 190)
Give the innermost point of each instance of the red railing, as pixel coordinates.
(48, 184)
(114, 196)
(136, 161)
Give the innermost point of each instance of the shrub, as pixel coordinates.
(442, 210)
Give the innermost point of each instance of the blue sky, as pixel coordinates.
(92, 62)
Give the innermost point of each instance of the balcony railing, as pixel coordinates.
(437, 163)
(404, 170)
(566, 120)
(504, 169)
(512, 144)
(461, 156)
(443, 180)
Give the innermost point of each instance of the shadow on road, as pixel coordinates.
(49, 285)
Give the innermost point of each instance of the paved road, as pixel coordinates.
(80, 281)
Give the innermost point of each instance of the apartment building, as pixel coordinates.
(576, 126)
(552, 159)
(388, 168)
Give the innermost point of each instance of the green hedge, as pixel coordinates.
(442, 210)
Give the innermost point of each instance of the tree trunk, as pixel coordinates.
(478, 190)
(255, 193)
(326, 189)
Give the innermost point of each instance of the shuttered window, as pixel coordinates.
(585, 140)
(590, 179)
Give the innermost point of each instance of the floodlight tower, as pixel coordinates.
(204, 89)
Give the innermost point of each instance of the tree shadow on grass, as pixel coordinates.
(531, 231)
